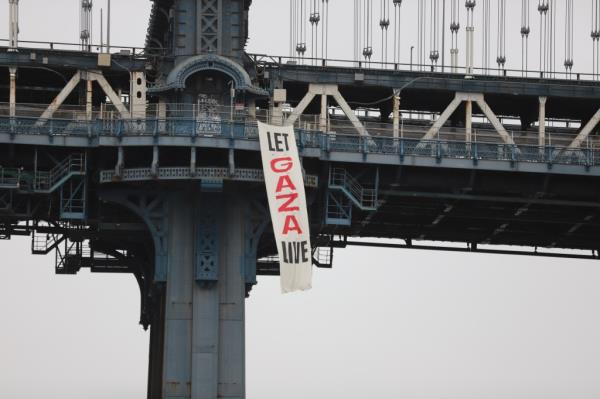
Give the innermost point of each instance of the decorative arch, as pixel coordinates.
(209, 62)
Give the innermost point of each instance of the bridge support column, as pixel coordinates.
(88, 100)
(542, 122)
(12, 101)
(323, 116)
(204, 332)
(469, 121)
(137, 95)
(396, 113)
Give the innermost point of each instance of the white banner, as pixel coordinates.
(287, 202)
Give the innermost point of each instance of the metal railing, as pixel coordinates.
(132, 51)
(443, 146)
(73, 120)
(279, 61)
(10, 177)
(365, 198)
(48, 181)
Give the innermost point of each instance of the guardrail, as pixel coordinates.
(438, 148)
(279, 61)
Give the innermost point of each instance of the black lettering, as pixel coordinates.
(296, 252)
(290, 252)
(284, 251)
(270, 142)
(278, 142)
(304, 252)
(287, 143)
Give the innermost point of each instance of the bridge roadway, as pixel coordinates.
(569, 96)
(437, 190)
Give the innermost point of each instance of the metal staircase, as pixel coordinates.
(48, 182)
(42, 243)
(344, 192)
(68, 177)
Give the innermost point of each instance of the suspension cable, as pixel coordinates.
(525, 30)
(568, 36)
(501, 39)
(422, 5)
(595, 36)
(486, 35)
(454, 28)
(434, 53)
(543, 7)
(368, 30)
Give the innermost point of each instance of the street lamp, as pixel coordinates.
(411, 56)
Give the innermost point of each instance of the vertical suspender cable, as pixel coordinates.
(420, 30)
(454, 27)
(356, 28)
(291, 38)
(384, 24)
(443, 33)
(323, 30)
(326, 29)
(543, 7)
(568, 37)
(597, 35)
(470, 30)
(501, 39)
(368, 30)
(525, 30)
(434, 53)
(314, 19)
(592, 35)
(422, 9)
(485, 56)
(397, 30)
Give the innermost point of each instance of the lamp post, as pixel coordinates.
(411, 57)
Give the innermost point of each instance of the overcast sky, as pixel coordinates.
(381, 324)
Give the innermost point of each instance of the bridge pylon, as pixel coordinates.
(197, 344)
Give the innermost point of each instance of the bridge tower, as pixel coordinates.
(209, 233)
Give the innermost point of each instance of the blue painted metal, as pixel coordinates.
(338, 209)
(206, 266)
(345, 75)
(73, 199)
(151, 208)
(187, 27)
(21, 128)
(257, 220)
(208, 62)
(364, 198)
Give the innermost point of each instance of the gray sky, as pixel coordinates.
(410, 324)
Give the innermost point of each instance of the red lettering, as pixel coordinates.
(285, 182)
(291, 224)
(282, 165)
(286, 205)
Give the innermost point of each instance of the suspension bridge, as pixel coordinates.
(147, 161)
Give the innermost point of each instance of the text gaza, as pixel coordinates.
(287, 196)
(286, 192)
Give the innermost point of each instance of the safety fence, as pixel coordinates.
(445, 145)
